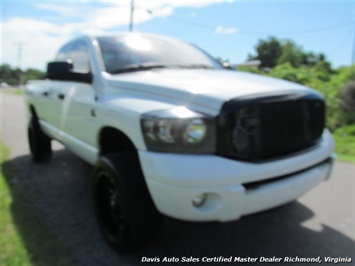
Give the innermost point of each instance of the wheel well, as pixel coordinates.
(112, 140)
(33, 111)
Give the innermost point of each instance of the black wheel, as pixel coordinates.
(125, 211)
(40, 144)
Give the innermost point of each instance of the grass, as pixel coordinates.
(15, 91)
(25, 237)
(12, 247)
(345, 143)
(345, 158)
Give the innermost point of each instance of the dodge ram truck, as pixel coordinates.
(170, 131)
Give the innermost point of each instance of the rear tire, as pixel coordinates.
(125, 211)
(40, 144)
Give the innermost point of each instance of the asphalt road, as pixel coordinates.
(63, 231)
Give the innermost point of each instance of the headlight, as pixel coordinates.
(195, 131)
(178, 130)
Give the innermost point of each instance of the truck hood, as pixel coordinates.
(210, 88)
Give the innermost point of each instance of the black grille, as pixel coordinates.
(260, 127)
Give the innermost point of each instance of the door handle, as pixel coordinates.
(48, 92)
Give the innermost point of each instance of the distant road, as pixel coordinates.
(321, 223)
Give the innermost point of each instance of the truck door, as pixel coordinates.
(52, 99)
(78, 99)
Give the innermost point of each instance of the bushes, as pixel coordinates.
(286, 60)
(329, 83)
(15, 76)
(338, 88)
(345, 140)
(347, 103)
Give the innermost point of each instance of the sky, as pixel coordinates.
(33, 31)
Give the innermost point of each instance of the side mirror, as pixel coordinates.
(63, 70)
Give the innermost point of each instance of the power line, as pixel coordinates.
(353, 59)
(341, 43)
(192, 22)
(330, 27)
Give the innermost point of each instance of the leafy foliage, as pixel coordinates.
(12, 246)
(345, 141)
(292, 54)
(15, 76)
(251, 70)
(347, 103)
(9, 75)
(332, 86)
(290, 62)
(268, 51)
(272, 52)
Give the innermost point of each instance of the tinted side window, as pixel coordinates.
(78, 54)
(62, 54)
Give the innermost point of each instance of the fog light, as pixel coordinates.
(199, 200)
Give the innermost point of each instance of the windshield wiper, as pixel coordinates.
(152, 65)
(197, 66)
(138, 67)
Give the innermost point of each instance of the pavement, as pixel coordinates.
(63, 226)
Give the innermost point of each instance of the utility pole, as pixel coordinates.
(131, 16)
(353, 59)
(19, 60)
(19, 53)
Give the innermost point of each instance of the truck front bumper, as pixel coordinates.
(232, 188)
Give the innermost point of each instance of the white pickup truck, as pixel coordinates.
(170, 131)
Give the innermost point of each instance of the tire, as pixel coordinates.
(40, 144)
(125, 211)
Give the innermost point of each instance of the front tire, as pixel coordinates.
(40, 144)
(125, 211)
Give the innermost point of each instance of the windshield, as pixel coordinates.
(135, 52)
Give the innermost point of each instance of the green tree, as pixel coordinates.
(272, 52)
(32, 74)
(268, 52)
(291, 53)
(347, 103)
(14, 76)
(9, 75)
